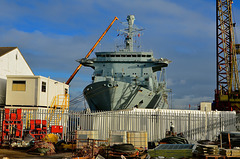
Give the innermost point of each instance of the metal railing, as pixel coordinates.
(193, 124)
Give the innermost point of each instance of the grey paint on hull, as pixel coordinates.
(117, 95)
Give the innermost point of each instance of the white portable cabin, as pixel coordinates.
(33, 91)
(12, 62)
(206, 106)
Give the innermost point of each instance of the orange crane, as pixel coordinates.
(89, 53)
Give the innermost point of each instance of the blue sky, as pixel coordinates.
(52, 34)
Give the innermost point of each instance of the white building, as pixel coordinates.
(35, 91)
(12, 62)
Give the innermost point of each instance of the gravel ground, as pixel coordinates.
(9, 154)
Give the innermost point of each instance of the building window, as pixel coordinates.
(19, 86)
(44, 86)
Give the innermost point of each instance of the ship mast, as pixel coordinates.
(129, 37)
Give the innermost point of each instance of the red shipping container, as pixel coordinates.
(38, 122)
(19, 114)
(17, 133)
(7, 111)
(13, 116)
(6, 116)
(60, 129)
(54, 129)
(44, 122)
(32, 122)
(32, 126)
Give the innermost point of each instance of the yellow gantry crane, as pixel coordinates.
(227, 95)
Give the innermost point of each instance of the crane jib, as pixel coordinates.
(89, 53)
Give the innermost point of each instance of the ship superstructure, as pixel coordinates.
(125, 79)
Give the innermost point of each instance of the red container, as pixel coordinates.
(32, 126)
(17, 133)
(13, 116)
(19, 114)
(56, 129)
(44, 122)
(32, 122)
(38, 122)
(6, 116)
(7, 111)
(60, 129)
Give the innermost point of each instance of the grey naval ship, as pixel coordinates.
(126, 78)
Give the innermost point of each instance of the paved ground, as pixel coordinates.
(21, 154)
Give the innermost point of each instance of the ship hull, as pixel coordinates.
(117, 95)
